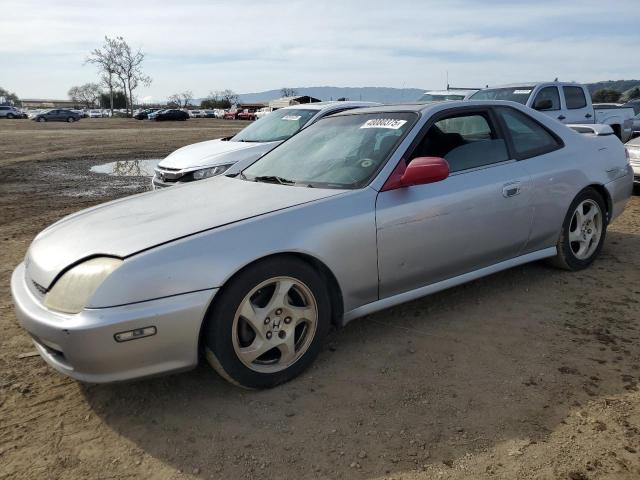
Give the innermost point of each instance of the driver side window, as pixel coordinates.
(465, 141)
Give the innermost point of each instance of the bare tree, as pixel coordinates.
(288, 92)
(181, 100)
(87, 94)
(105, 59)
(228, 95)
(116, 59)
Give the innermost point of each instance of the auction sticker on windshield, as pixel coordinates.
(391, 123)
(521, 92)
(291, 117)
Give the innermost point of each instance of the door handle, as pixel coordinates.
(511, 189)
(588, 115)
(561, 117)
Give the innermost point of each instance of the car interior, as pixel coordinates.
(465, 141)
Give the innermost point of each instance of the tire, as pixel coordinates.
(71, 119)
(10, 116)
(580, 243)
(287, 338)
(42, 119)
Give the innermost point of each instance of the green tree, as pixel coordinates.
(635, 93)
(115, 100)
(606, 96)
(9, 97)
(87, 94)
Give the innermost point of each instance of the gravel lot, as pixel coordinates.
(529, 373)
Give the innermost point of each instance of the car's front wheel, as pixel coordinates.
(10, 116)
(70, 119)
(583, 231)
(268, 323)
(42, 119)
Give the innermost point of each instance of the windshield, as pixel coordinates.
(432, 97)
(276, 126)
(345, 151)
(514, 94)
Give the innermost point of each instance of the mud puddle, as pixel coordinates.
(127, 168)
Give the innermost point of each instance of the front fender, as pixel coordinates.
(338, 231)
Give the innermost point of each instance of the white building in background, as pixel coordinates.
(288, 101)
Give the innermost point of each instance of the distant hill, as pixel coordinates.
(369, 94)
(391, 95)
(617, 85)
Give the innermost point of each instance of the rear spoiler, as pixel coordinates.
(598, 130)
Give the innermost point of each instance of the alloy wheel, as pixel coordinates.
(585, 229)
(275, 324)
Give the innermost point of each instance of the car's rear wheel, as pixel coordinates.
(268, 323)
(70, 119)
(10, 116)
(583, 231)
(42, 119)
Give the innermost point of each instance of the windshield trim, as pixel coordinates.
(417, 114)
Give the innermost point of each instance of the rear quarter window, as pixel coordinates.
(528, 137)
(574, 97)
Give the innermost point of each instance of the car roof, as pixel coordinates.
(532, 84)
(426, 106)
(450, 92)
(331, 104)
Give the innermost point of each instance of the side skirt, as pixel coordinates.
(444, 284)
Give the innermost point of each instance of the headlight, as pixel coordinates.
(210, 172)
(72, 291)
(634, 153)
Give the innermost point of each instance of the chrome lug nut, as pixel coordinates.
(267, 320)
(282, 334)
(268, 335)
(287, 320)
(279, 311)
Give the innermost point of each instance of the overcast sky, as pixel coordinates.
(250, 46)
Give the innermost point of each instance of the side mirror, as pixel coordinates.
(545, 104)
(420, 171)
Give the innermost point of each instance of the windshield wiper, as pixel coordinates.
(273, 179)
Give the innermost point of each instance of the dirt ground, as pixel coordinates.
(529, 373)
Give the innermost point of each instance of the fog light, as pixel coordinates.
(135, 334)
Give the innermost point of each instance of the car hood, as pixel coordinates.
(127, 226)
(215, 152)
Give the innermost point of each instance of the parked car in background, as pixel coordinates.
(633, 147)
(231, 114)
(8, 111)
(170, 114)
(196, 113)
(247, 114)
(208, 113)
(144, 114)
(567, 102)
(449, 94)
(95, 113)
(213, 157)
(57, 115)
(635, 104)
(636, 124)
(362, 211)
(262, 112)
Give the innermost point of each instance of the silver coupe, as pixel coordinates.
(359, 212)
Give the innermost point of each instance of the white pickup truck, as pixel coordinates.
(568, 102)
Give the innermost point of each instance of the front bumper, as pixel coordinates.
(83, 346)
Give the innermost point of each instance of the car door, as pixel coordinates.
(552, 169)
(576, 109)
(552, 95)
(478, 216)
